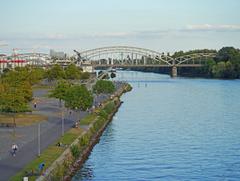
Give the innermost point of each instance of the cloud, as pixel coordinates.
(3, 43)
(133, 34)
(56, 36)
(210, 27)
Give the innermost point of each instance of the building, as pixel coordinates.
(57, 55)
(88, 68)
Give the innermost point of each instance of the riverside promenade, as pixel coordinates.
(27, 137)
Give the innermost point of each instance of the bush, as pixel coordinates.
(104, 86)
(85, 75)
(58, 173)
(109, 107)
(103, 114)
(75, 151)
(84, 140)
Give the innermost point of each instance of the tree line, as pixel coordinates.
(16, 87)
(225, 65)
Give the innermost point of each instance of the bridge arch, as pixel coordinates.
(149, 58)
(132, 52)
(192, 57)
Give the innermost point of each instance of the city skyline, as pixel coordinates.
(166, 26)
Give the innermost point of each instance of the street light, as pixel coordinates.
(62, 120)
(39, 139)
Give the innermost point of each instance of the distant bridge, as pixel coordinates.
(128, 57)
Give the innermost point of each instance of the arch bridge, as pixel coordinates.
(127, 57)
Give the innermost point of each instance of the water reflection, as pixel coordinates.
(170, 129)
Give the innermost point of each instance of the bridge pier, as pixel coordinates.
(144, 60)
(174, 72)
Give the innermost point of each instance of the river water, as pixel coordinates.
(170, 129)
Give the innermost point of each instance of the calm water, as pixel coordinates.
(170, 129)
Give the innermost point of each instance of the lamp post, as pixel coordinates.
(62, 121)
(39, 139)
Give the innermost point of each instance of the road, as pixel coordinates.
(28, 140)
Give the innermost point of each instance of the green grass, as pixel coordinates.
(70, 136)
(49, 155)
(88, 119)
(53, 152)
(23, 119)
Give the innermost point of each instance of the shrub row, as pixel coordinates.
(83, 141)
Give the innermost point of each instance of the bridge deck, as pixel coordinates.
(141, 65)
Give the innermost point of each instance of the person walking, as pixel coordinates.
(35, 105)
(41, 167)
(14, 149)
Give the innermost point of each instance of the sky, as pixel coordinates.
(161, 25)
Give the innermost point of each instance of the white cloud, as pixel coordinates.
(133, 34)
(210, 27)
(56, 36)
(3, 43)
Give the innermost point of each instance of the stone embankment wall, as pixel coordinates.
(75, 155)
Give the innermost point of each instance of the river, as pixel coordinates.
(170, 129)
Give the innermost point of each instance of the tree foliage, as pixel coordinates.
(16, 88)
(60, 90)
(78, 97)
(225, 65)
(55, 73)
(182, 53)
(72, 72)
(85, 75)
(104, 86)
(13, 99)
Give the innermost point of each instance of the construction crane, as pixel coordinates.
(79, 57)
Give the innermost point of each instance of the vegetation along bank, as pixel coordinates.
(225, 65)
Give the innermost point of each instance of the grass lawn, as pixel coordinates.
(50, 154)
(88, 119)
(23, 119)
(53, 152)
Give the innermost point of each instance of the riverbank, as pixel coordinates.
(188, 72)
(77, 143)
(170, 129)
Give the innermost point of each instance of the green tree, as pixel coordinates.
(85, 75)
(224, 70)
(227, 54)
(10, 102)
(104, 86)
(72, 72)
(60, 90)
(25, 90)
(78, 97)
(54, 73)
(36, 75)
(19, 80)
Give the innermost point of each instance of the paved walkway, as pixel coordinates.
(27, 139)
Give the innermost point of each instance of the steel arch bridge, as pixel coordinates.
(127, 56)
(131, 52)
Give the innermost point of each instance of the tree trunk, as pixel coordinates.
(14, 125)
